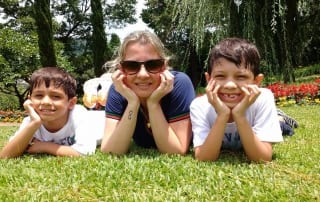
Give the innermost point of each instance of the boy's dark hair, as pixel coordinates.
(238, 51)
(54, 76)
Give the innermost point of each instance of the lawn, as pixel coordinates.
(146, 175)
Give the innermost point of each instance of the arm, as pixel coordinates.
(174, 137)
(171, 138)
(255, 149)
(210, 149)
(20, 142)
(118, 134)
(38, 147)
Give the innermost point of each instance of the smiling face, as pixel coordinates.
(52, 104)
(231, 78)
(143, 83)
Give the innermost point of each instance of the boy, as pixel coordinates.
(235, 113)
(55, 125)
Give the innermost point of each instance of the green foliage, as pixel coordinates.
(146, 175)
(8, 102)
(307, 71)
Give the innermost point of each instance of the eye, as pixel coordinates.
(242, 77)
(219, 76)
(37, 95)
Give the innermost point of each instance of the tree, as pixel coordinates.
(99, 42)
(18, 58)
(270, 24)
(43, 21)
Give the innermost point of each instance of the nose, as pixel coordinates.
(46, 100)
(143, 71)
(230, 84)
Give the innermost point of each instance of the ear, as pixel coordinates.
(72, 102)
(258, 79)
(207, 76)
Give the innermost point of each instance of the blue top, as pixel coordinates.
(175, 107)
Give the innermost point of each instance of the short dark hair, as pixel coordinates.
(238, 51)
(54, 76)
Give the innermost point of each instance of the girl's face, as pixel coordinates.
(146, 78)
(51, 104)
(231, 78)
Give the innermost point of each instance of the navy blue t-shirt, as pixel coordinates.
(175, 106)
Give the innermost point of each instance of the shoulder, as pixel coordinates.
(181, 77)
(200, 102)
(266, 95)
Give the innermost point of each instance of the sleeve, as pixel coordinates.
(266, 122)
(85, 137)
(200, 120)
(176, 105)
(116, 104)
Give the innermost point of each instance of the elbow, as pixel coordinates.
(202, 157)
(107, 150)
(261, 159)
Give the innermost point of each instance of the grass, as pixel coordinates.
(146, 175)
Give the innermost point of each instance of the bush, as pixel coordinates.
(8, 102)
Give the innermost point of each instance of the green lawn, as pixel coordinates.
(145, 175)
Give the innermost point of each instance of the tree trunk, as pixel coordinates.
(99, 42)
(43, 21)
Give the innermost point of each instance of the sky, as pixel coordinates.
(140, 25)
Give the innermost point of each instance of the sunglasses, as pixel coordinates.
(133, 67)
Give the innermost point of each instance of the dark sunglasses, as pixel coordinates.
(133, 67)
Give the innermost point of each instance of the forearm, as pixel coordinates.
(166, 137)
(253, 147)
(210, 149)
(57, 150)
(118, 136)
(20, 142)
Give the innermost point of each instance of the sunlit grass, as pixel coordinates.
(146, 175)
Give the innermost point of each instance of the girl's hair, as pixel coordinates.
(236, 50)
(56, 77)
(142, 37)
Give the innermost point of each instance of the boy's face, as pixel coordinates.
(231, 78)
(52, 104)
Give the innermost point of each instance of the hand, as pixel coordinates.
(34, 116)
(35, 147)
(251, 93)
(213, 98)
(118, 80)
(165, 87)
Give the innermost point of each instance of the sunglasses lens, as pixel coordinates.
(154, 66)
(130, 67)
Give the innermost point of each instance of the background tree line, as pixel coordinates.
(285, 31)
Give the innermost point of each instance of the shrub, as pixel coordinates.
(8, 102)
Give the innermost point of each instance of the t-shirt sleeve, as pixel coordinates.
(266, 122)
(202, 117)
(176, 105)
(116, 104)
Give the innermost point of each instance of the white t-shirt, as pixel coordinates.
(262, 116)
(81, 132)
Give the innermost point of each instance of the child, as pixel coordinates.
(55, 125)
(235, 113)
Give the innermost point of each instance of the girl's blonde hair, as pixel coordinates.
(142, 37)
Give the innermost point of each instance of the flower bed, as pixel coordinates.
(12, 116)
(300, 94)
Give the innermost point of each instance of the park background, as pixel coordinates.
(80, 35)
